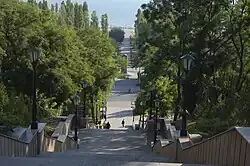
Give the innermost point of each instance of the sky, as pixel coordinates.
(120, 12)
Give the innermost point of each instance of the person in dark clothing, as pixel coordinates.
(108, 125)
(123, 123)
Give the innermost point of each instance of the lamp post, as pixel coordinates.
(84, 85)
(151, 101)
(177, 136)
(157, 104)
(102, 111)
(0, 66)
(34, 57)
(142, 103)
(187, 64)
(96, 112)
(133, 107)
(92, 103)
(105, 111)
(76, 103)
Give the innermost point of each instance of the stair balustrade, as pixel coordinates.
(13, 147)
(229, 148)
(62, 138)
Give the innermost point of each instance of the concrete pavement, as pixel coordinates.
(78, 161)
(119, 103)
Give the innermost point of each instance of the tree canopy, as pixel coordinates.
(117, 34)
(73, 48)
(216, 34)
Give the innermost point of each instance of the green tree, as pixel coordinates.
(52, 8)
(69, 56)
(85, 19)
(56, 7)
(117, 34)
(45, 5)
(94, 20)
(40, 4)
(104, 23)
(31, 1)
(85, 15)
(85, 7)
(218, 42)
(69, 13)
(77, 16)
(62, 15)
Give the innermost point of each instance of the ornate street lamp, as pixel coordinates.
(84, 85)
(133, 107)
(142, 103)
(152, 93)
(96, 112)
(176, 136)
(0, 66)
(105, 110)
(157, 104)
(187, 64)
(102, 112)
(34, 54)
(76, 101)
(93, 95)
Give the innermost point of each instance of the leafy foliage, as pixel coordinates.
(104, 23)
(74, 49)
(117, 34)
(216, 34)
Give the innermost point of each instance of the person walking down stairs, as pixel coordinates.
(123, 123)
(108, 126)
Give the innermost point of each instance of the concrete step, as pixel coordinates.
(139, 156)
(80, 161)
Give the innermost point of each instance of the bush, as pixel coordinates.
(3, 96)
(210, 126)
(16, 111)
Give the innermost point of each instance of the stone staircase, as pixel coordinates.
(114, 147)
(80, 161)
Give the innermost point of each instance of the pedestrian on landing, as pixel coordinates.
(130, 90)
(108, 125)
(123, 123)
